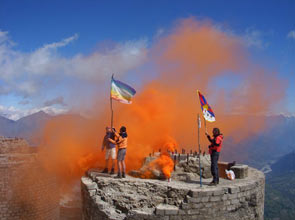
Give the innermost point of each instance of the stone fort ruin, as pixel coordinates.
(132, 198)
(29, 192)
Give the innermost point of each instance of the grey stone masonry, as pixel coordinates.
(105, 197)
(27, 191)
(240, 170)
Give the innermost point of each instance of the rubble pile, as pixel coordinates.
(186, 167)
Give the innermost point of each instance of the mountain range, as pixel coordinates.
(25, 127)
(264, 148)
(280, 190)
(259, 150)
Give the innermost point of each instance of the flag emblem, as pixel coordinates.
(206, 109)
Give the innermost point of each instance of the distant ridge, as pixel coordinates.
(268, 145)
(284, 164)
(275, 141)
(30, 126)
(24, 127)
(280, 193)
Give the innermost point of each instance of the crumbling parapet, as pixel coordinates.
(133, 198)
(27, 191)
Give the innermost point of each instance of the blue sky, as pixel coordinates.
(68, 33)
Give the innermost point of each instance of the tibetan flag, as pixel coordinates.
(206, 109)
(121, 91)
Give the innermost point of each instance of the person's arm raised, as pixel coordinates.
(111, 140)
(209, 138)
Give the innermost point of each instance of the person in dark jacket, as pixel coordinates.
(110, 149)
(214, 151)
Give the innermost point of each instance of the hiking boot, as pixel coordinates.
(105, 170)
(123, 175)
(119, 176)
(212, 184)
(112, 171)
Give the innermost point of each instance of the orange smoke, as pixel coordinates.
(71, 145)
(163, 163)
(195, 55)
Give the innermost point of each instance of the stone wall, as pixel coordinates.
(27, 191)
(132, 198)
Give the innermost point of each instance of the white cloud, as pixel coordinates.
(27, 74)
(99, 66)
(3, 36)
(14, 113)
(254, 38)
(251, 37)
(62, 43)
(291, 34)
(56, 101)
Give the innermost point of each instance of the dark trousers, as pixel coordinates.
(214, 166)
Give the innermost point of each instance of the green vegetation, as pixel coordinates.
(280, 196)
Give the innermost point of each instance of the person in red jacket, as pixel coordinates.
(214, 151)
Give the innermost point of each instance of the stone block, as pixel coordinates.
(235, 201)
(218, 192)
(208, 205)
(243, 187)
(205, 199)
(162, 218)
(185, 206)
(233, 189)
(92, 192)
(232, 196)
(164, 209)
(197, 206)
(194, 200)
(201, 192)
(136, 214)
(174, 217)
(181, 212)
(207, 192)
(230, 208)
(87, 182)
(224, 197)
(193, 211)
(241, 171)
(215, 198)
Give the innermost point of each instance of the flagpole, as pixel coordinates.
(199, 125)
(112, 112)
(205, 125)
(111, 103)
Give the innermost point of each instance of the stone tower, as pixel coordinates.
(105, 197)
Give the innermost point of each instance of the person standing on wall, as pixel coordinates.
(110, 150)
(214, 151)
(121, 141)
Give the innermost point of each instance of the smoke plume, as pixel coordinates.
(193, 55)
